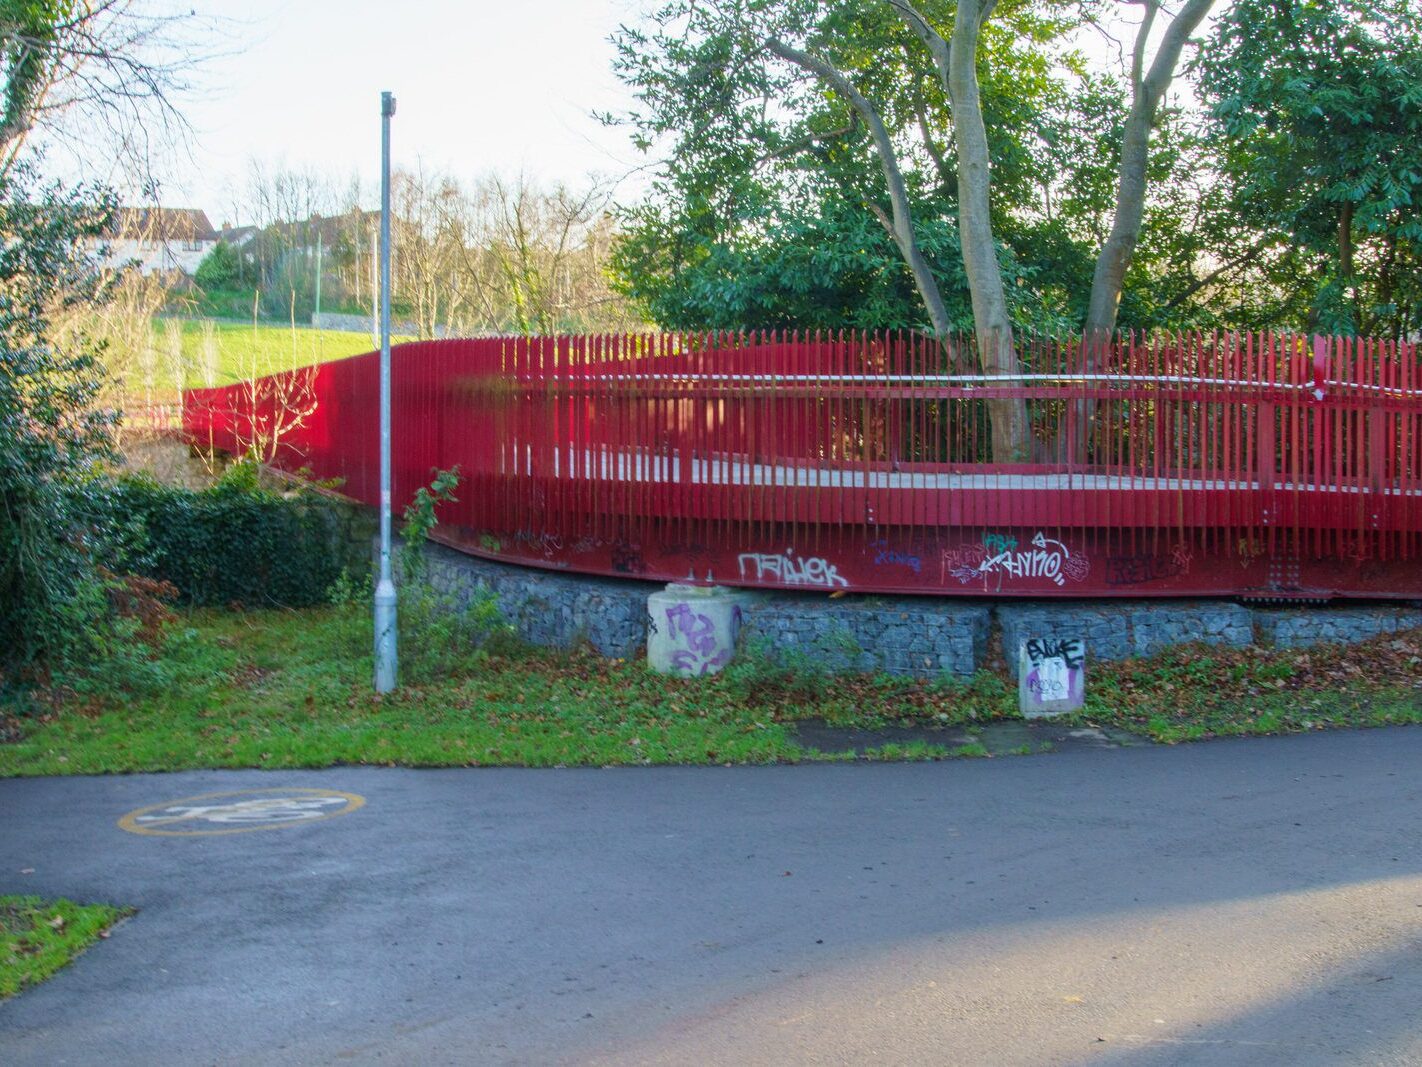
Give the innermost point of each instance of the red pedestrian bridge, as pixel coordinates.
(1251, 465)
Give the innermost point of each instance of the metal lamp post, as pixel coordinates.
(385, 616)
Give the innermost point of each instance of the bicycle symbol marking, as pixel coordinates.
(239, 812)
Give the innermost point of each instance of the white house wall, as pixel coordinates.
(158, 257)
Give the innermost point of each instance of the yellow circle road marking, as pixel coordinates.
(267, 809)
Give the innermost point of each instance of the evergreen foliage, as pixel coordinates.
(52, 441)
(237, 542)
(220, 269)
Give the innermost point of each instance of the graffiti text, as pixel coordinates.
(789, 569)
(883, 554)
(1046, 558)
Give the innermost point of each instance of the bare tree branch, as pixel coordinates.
(901, 227)
(1147, 89)
(109, 68)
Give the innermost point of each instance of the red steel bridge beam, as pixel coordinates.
(1222, 464)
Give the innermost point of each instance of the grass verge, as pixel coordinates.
(292, 689)
(244, 349)
(288, 688)
(1193, 693)
(38, 937)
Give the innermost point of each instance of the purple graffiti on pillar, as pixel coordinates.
(1054, 680)
(683, 660)
(699, 631)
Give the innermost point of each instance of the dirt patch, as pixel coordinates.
(168, 460)
(1005, 737)
(250, 676)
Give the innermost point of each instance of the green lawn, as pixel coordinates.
(1194, 693)
(292, 689)
(244, 349)
(38, 937)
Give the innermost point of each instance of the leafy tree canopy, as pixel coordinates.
(770, 196)
(767, 210)
(1317, 109)
(1291, 201)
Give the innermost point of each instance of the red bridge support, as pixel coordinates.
(1244, 465)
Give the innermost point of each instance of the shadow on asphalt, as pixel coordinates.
(530, 914)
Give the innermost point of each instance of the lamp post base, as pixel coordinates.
(385, 650)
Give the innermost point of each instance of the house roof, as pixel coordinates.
(236, 235)
(161, 224)
(331, 228)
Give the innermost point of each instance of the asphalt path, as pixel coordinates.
(1244, 902)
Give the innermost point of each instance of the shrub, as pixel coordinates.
(219, 269)
(53, 607)
(761, 672)
(442, 634)
(238, 543)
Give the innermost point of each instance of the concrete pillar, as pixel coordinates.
(691, 630)
(1051, 676)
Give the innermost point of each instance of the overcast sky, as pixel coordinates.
(479, 86)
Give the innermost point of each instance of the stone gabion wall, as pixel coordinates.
(921, 636)
(551, 609)
(1301, 627)
(1122, 629)
(897, 635)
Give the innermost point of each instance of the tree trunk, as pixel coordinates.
(957, 71)
(1011, 431)
(1345, 241)
(1114, 259)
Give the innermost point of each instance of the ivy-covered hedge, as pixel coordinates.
(238, 542)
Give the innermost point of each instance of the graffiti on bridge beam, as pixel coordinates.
(545, 544)
(627, 559)
(884, 555)
(1248, 549)
(995, 542)
(788, 569)
(1357, 550)
(1140, 568)
(1045, 558)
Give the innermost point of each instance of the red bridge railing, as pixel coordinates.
(1257, 465)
